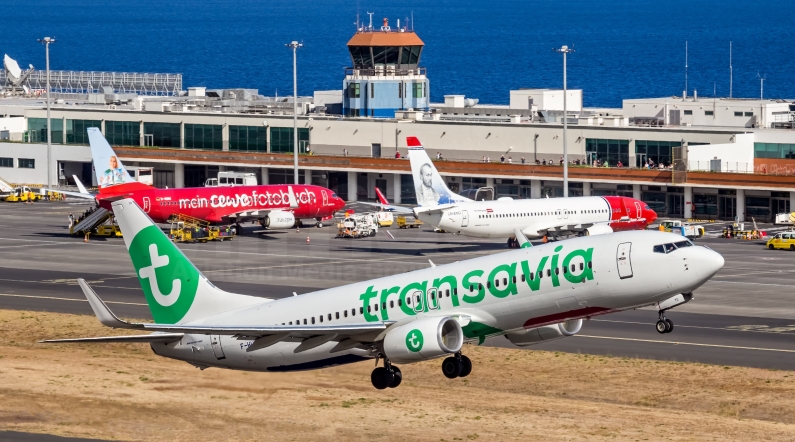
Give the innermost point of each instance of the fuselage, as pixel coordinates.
(493, 295)
(500, 218)
(217, 204)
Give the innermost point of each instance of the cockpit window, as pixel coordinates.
(647, 207)
(333, 195)
(670, 247)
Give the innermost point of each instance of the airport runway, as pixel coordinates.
(744, 316)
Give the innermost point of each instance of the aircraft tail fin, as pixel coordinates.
(107, 165)
(175, 289)
(429, 185)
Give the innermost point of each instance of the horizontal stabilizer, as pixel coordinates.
(398, 209)
(154, 337)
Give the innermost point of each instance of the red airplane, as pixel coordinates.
(277, 206)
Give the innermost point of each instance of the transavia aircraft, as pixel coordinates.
(528, 295)
(275, 206)
(502, 218)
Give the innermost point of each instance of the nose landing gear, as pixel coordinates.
(664, 325)
(457, 366)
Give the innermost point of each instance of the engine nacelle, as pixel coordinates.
(598, 229)
(545, 333)
(279, 219)
(424, 338)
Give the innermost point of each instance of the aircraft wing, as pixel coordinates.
(397, 209)
(433, 210)
(154, 337)
(86, 196)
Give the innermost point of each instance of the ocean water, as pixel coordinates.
(624, 49)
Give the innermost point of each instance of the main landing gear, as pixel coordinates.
(513, 243)
(664, 325)
(458, 366)
(387, 376)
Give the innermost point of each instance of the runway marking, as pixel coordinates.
(653, 341)
(69, 299)
(727, 328)
(54, 243)
(66, 281)
(749, 283)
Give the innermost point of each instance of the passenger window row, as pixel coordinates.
(531, 276)
(371, 308)
(564, 212)
(671, 246)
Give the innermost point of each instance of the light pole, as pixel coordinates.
(295, 45)
(565, 50)
(46, 42)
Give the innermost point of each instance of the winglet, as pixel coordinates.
(80, 185)
(381, 198)
(293, 199)
(522, 239)
(105, 316)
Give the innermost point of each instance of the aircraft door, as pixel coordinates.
(325, 198)
(215, 340)
(565, 214)
(432, 301)
(464, 218)
(638, 211)
(147, 204)
(558, 213)
(623, 260)
(416, 298)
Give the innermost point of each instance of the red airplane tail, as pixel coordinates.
(381, 198)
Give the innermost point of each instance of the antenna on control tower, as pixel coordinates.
(371, 19)
(761, 85)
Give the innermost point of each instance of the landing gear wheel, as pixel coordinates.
(466, 367)
(451, 367)
(670, 325)
(771, 247)
(319, 224)
(397, 377)
(662, 327)
(381, 378)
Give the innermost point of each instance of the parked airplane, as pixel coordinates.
(528, 295)
(275, 206)
(502, 218)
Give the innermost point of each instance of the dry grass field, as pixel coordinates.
(125, 392)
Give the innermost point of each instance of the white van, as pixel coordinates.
(228, 179)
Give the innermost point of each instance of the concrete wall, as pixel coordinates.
(735, 157)
(758, 112)
(547, 99)
(38, 152)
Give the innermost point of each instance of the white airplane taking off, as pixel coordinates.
(506, 217)
(528, 295)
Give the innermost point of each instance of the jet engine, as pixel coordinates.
(545, 333)
(598, 229)
(424, 338)
(279, 219)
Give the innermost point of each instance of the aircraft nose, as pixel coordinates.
(712, 262)
(651, 216)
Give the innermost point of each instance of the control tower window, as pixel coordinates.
(360, 55)
(354, 90)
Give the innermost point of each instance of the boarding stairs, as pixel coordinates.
(91, 222)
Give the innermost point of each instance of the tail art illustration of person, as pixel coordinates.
(427, 195)
(114, 174)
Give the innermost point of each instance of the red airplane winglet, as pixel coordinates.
(381, 198)
(413, 142)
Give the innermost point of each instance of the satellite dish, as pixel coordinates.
(12, 69)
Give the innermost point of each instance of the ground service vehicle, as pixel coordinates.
(783, 240)
(787, 218)
(23, 194)
(528, 295)
(685, 229)
(404, 222)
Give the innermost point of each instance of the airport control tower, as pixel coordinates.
(385, 76)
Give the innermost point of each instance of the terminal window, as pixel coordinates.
(203, 136)
(26, 163)
(354, 90)
(123, 133)
(77, 130)
(282, 139)
(248, 138)
(417, 90)
(37, 130)
(163, 134)
(611, 151)
(6, 162)
(774, 150)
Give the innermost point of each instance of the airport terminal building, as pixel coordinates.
(722, 158)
